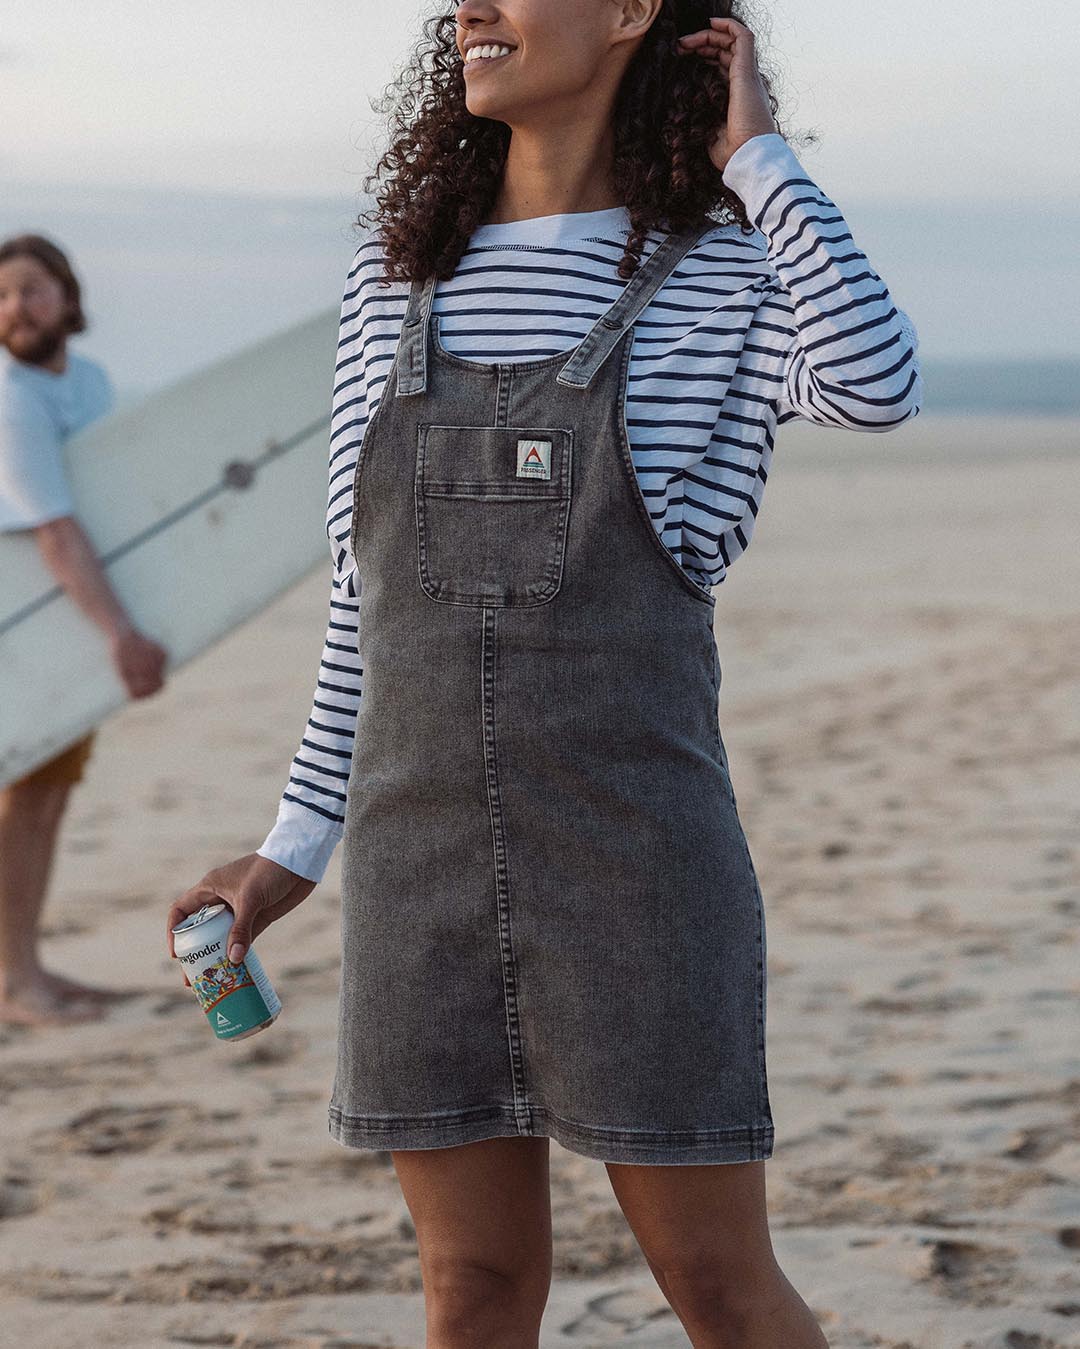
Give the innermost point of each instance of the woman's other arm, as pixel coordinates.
(853, 359)
(311, 811)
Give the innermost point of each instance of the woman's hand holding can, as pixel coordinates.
(258, 890)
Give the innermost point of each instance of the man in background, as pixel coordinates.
(46, 394)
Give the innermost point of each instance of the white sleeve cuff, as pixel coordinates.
(301, 841)
(758, 167)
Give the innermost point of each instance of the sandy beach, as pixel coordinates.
(900, 651)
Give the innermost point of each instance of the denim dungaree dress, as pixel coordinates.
(551, 922)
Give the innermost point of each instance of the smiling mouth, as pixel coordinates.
(488, 60)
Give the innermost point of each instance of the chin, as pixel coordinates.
(491, 108)
(480, 106)
(37, 350)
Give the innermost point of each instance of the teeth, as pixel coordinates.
(476, 53)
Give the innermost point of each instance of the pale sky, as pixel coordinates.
(948, 138)
(923, 99)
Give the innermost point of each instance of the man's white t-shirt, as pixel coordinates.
(39, 410)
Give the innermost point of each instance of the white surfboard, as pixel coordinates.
(204, 502)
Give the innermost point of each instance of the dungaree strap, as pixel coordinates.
(593, 349)
(602, 338)
(412, 346)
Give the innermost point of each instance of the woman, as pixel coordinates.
(539, 468)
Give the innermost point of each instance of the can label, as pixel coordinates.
(228, 994)
(237, 998)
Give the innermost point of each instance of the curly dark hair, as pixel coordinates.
(444, 165)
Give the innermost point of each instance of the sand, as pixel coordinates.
(900, 705)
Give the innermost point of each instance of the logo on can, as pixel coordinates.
(238, 1000)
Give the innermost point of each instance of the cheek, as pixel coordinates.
(558, 69)
(47, 309)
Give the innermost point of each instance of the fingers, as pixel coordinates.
(729, 28)
(140, 680)
(143, 667)
(240, 934)
(191, 901)
(152, 666)
(255, 889)
(244, 912)
(718, 42)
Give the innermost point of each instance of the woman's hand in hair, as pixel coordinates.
(730, 45)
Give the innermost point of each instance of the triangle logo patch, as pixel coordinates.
(534, 459)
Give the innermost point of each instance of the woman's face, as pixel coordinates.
(561, 52)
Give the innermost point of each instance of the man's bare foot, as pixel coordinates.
(65, 987)
(37, 1004)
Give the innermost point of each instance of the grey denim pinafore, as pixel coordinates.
(551, 922)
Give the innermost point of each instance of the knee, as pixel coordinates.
(693, 1280)
(708, 1290)
(468, 1298)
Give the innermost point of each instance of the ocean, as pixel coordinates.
(977, 388)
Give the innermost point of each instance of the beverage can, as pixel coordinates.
(239, 1000)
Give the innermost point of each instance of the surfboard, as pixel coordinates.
(204, 502)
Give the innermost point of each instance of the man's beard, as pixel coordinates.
(36, 351)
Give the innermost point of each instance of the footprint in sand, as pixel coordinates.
(265, 1052)
(338, 1343)
(1033, 1144)
(315, 970)
(203, 1215)
(340, 1163)
(980, 1103)
(17, 1196)
(612, 1315)
(205, 1339)
(164, 797)
(65, 927)
(972, 1273)
(169, 1004)
(130, 901)
(137, 1128)
(234, 1175)
(934, 1004)
(79, 846)
(1023, 1339)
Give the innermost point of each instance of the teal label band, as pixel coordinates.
(238, 1011)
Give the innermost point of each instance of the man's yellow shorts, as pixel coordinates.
(67, 766)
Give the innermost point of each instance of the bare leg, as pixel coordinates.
(482, 1213)
(30, 815)
(704, 1231)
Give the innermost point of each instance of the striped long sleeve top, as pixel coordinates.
(747, 333)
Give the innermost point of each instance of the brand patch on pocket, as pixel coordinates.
(534, 459)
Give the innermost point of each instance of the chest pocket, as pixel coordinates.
(492, 507)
